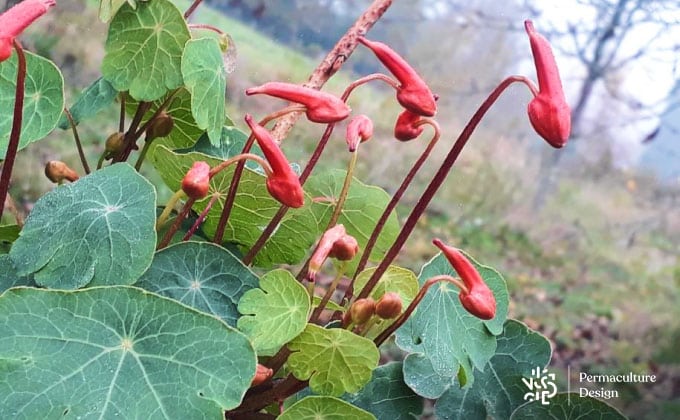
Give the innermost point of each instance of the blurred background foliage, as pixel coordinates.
(587, 238)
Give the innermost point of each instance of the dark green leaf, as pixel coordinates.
(95, 98)
(324, 408)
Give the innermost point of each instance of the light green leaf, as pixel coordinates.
(205, 78)
(144, 49)
(442, 336)
(498, 390)
(324, 408)
(253, 209)
(9, 233)
(334, 361)
(330, 305)
(363, 207)
(202, 275)
(108, 8)
(43, 99)
(275, 313)
(98, 230)
(565, 406)
(116, 352)
(387, 397)
(231, 143)
(93, 99)
(9, 277)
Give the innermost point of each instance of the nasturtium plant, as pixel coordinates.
(261, 287)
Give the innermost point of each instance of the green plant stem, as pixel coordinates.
(366, 253)
(178, 195)
(414, 303)
(100, 162)
(326, 297)
(142, 154)
(15, 134)
(436, 182)
(176, 224)
(201, 217)
(76, 137)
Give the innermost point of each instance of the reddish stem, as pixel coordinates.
(201, 217)
(176, 224)
(192, 8)
(15, 134)
(76, 137)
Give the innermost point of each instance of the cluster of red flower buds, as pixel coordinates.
(334, 243)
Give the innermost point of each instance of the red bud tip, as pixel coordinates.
(16, 19)
(321, 107)
(388, 306)
(324, 248)
(362, 310)
(262, 373)
(479, 299)
(283, 184)
(406, 129)
(196, 182)
(359, 130)
(549, 112)
(344, 249)
(413, 94)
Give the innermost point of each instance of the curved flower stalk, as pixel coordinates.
(15, 20)
(320, 107)
(549, 112)
(413, 93)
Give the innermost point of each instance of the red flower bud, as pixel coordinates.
(406, 129)
(345, 248)
(359, 130)
(362, 310)
(57, 171)
(324, 248)
(321, 107)
(478, 299)
(413, 94)
(261, 374)
(389, 306)
(549, 112)
(196, 182)
(283, 184)
(15, 20)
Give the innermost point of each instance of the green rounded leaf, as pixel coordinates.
(565, 406)
(230, 144)
(275, 313)
(442, 336)
(334, 361)
(43, 99)
(99, 230)
(202, 275)
(499, 389)
(93, 99)
(9, 277)
(205, 78)
(324, 408)
(116, 352)
(144, 49)
(387, 397)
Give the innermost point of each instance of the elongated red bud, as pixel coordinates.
(549, 112)
(359, 130)
(362, 310)
(15, 20)
(413, 94)
(57, 171)
(388, 306)
(321, 107)
(478, 299)
(406, 127)
(345, 248)
(324, 248)
(262, 373)
(283, 184)
(196, 182)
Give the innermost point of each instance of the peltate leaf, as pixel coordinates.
(442, 336)
(93, 99)
(334, 361)
(9, 277)
(387, 397)
(202, 275)
(275, 313)
(43, 99)
(499, 389)
(205, 78)
(116, 352)
(144, 49)
(99, 230)
(565, 406)
(324, 408)
(363, 207)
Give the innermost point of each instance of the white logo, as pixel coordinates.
(541, 386)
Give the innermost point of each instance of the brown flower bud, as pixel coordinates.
(362, 310)
(388, 306)
(261, 374)
(114, 144)
(161, 126)
(57, 171)
(345, 248)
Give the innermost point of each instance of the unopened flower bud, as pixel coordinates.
(196, 182)
(114, 144)
(362, 310)
(359, 130)
(57, 171)
(345, 248)
(407, 127)
(161, 126)
(388, 306)
(261, 374)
